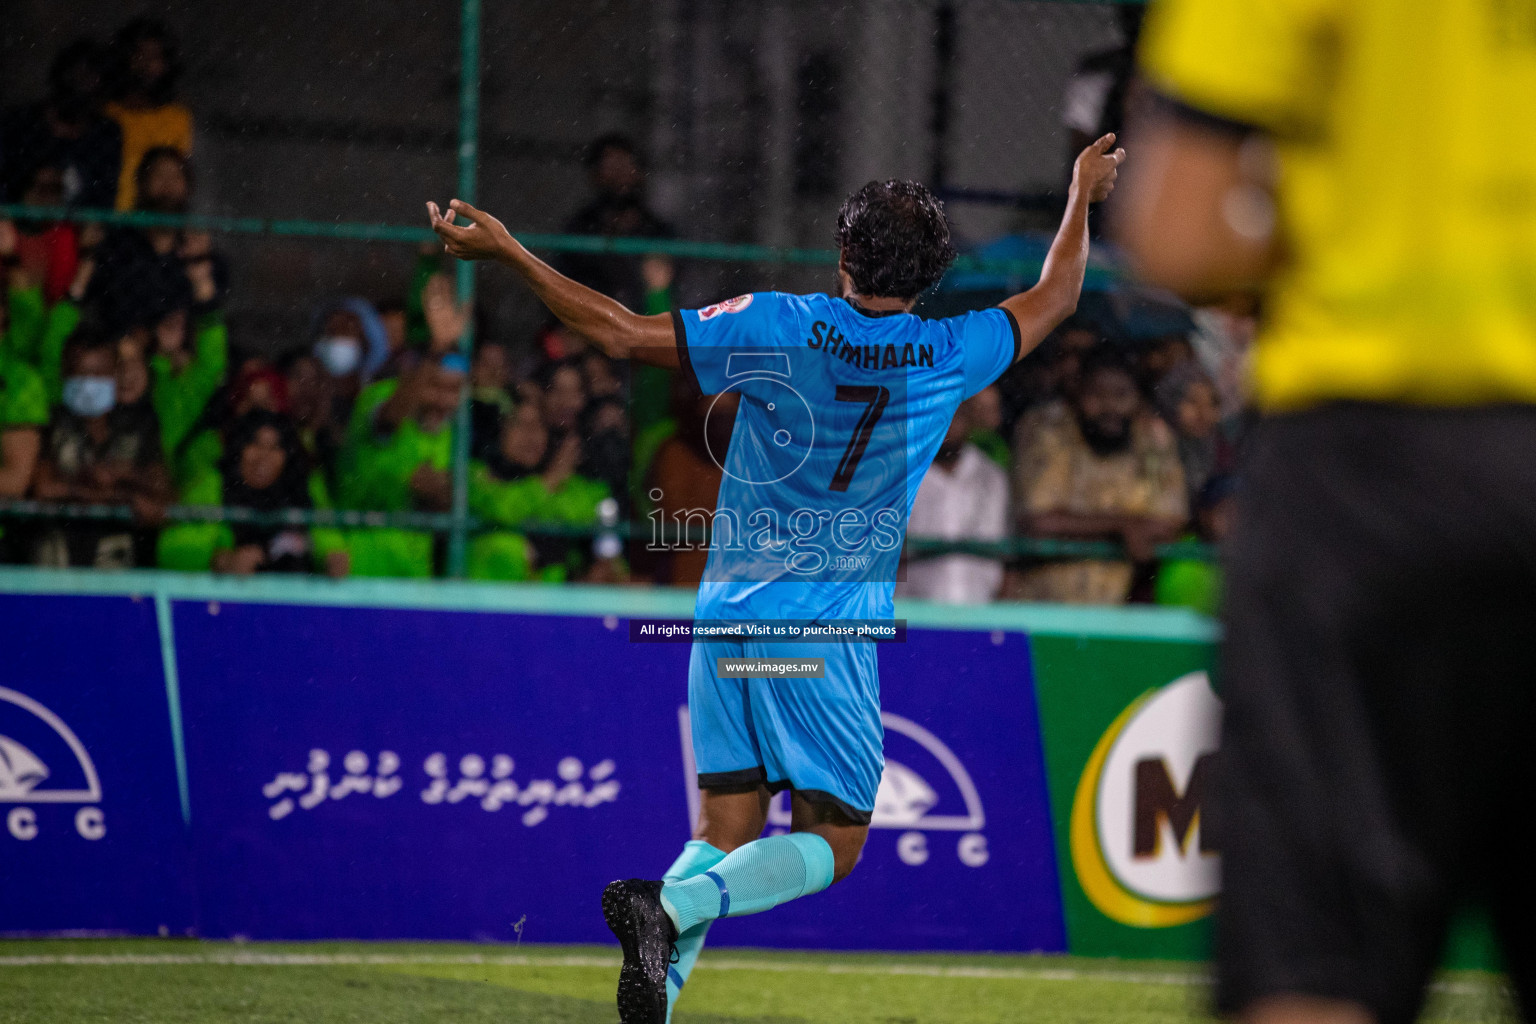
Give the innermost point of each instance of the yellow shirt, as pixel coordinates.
(143, 130)
(1407, 191)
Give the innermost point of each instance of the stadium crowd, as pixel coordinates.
(120, 385)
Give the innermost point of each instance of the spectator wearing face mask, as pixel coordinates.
(145, 66)
(1097, 467)
(963, 496)
(146, 272)
(99, 453)
(525, 480)
(264, 468)
(397, 457)
(68, 131)
(352, 343)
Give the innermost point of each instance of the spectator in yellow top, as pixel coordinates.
(144, 70)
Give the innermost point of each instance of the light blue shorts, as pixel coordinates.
(821, 738)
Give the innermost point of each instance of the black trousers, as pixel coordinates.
(1378, 764)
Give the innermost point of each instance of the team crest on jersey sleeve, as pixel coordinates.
(735, 305)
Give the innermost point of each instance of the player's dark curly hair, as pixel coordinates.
(895, 239)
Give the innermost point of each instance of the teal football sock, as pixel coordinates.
(751, 879)
(697, 857)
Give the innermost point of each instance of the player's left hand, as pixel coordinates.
(1096, 168)
(483, 238)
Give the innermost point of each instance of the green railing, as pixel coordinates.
(464, 273)
(458, 523)
(589, 244)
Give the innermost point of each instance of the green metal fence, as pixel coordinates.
(458, 524)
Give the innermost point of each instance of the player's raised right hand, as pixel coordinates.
(483, 238)
(1094, 172)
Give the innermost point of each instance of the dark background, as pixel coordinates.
(756, 119)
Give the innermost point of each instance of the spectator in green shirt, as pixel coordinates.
(257, 386)
(312, 404)
(1194, 583)
(489, 400)
(986, 414)
(415, 327)
(23, 416)
(265, 468)
(397, 458)
(35, 332)
(24, 400)
(525, 481)
(191, 356)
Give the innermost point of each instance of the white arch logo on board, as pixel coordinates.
(905, 801)
(24, 774)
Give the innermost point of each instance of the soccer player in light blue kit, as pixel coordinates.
(843, 402)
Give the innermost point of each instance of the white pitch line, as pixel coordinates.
(1060, 974)
(519, 960)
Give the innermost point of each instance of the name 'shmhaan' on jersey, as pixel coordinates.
(830, 340)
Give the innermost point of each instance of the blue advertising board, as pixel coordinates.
(382, 773)
(92, 837)
(388, 773)
(302, 759)
(961, 810)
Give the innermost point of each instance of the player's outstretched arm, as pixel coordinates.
(1054, 297)
(616, 330)
(1198, 214)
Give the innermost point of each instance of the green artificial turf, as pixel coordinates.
(176, 981)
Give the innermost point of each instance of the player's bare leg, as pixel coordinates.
(844, 836)
(732, 816)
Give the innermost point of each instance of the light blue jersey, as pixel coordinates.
(841, 412)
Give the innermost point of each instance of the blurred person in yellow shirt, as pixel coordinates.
(146, 66)
(1363, 166)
